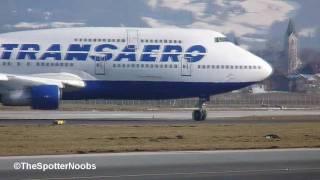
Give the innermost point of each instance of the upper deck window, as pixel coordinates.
(220, 39)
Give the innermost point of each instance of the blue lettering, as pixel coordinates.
(148, 51)
(171, 52)
(197, 49)
(54, 51)
(78, 52)
(23, 53)
(127, 53)
(8, 48)
(103, 49)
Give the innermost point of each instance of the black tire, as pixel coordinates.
(196, 115)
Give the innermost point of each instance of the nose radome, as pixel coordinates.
(267, 69)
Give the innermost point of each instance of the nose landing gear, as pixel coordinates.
(201, 113)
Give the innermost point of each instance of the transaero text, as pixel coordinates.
(106, 52)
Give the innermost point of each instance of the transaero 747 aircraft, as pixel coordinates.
(39, 68)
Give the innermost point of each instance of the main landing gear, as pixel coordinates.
(201, 113)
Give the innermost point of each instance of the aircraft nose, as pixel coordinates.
(267, 69)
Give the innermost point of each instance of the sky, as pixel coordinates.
(254, 22)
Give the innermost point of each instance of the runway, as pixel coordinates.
(152, 117)
(293, 164)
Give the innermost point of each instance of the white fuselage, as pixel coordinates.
(134, 55)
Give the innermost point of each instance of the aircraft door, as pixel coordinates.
(100, 65)
(132, 39)
(186, 66)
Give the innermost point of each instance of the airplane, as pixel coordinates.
(38, 68)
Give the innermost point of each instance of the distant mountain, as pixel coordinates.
(253, 23)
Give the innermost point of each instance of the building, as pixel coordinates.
(291, 50)
(305, 83)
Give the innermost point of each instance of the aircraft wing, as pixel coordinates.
(62, 80)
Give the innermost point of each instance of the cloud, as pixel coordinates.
(36, 25)
(308, 32)
(243, 17)
(156, 23)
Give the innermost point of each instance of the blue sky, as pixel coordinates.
(255, 22)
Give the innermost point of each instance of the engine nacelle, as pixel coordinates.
(45, 97)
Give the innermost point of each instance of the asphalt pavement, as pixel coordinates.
(293, 164)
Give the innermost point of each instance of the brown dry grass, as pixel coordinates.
(34, 139)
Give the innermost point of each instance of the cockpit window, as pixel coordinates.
(221, 39)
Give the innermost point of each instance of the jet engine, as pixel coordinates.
(45, 97)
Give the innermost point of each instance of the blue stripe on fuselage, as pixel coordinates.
(150, 90)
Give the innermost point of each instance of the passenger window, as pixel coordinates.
(208, 66)
(142, 65)
(199, 67)
(175, 66)
(203, 66)
(222, 66)
(217, 66)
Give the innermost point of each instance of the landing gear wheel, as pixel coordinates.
(199, 115)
